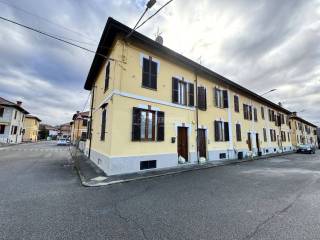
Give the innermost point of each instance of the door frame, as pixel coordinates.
(205, 140)
(177, 145)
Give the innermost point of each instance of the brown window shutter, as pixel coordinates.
(175, 90)
(106, 80)
(226, 131)
(216, 131)
(136, 124)
(225, 99)
(236, 103)
(238, 132)
(202, 100)
(191, 94)
(160, 126)
(250, 112)
(153, 74)
(244, 111)
(255, 114)
(103, 125)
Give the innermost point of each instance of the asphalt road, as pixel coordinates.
(41, 198)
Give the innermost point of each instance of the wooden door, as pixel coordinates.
(183, 142)
(258, 142)
(249, 142)
(202, 143)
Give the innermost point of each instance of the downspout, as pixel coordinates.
(197, 117)
(90, 127)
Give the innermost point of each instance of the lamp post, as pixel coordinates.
(272, 90)
(149, 5)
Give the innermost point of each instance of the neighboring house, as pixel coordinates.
(31, 128)
(302, 131)
(79, 126)
(154, 108)
(11, 121)
(46, 130)
(64, 130)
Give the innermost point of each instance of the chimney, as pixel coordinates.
(19, 103)
(280, 104)
(294, 114)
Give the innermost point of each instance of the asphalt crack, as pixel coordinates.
(279, 212)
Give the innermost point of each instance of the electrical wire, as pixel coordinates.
(154, 14)
(56, 38)
(46, 20)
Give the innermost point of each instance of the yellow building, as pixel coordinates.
(79, 126)
(302, 131)
(154, 108)
(31, 128)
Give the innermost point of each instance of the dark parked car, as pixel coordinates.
(306, 148)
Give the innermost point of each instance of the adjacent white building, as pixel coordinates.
(12, 116)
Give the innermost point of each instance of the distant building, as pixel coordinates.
(79, 126)
(302, 131)
(64, 130)
(31, 128)
(46, 130)
(12, 116)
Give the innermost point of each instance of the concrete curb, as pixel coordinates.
(196, 168)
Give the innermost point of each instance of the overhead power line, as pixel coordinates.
(47, 20)
(153, 14)
(56, 38)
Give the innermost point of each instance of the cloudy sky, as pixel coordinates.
(261, 45)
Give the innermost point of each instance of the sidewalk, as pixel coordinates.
(92, 176)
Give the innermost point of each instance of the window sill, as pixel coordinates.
(149, 88)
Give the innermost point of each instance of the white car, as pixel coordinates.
(63, 142)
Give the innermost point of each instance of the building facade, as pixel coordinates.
(31, 128)
(153, 108)
(12, 117)
(79, 126)
(302, 131)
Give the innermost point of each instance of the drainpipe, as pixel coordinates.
(197, 118)
(90, 127)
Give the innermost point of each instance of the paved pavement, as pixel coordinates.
(41, 198)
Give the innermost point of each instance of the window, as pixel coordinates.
(202, 98)
(222, 155)
(236, 103)
(255, 114)
(88, 129)
(221, 131)
(220, 98)
(2, 128)
(283, 136)
(14, 130)
(106, 79)
(84, 122)
(1, 112)
(273, 135)
(288, 137)
(182, 92)
(149, 73)
(148, 164)
(83, 136)
(262, 112)
(144, 125)
(103, 124)
(247, 112)
(238, 132)
(15, 114)
(265, 134)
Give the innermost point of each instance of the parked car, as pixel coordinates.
(306, 148)
(63, 142)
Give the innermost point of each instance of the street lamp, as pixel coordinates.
(149, 5)
(272, 90)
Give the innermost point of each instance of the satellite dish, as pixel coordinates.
(159, 39)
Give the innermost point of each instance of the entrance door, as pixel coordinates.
(202, 143)
(183, 142)
(249, 142)
(258, 142)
